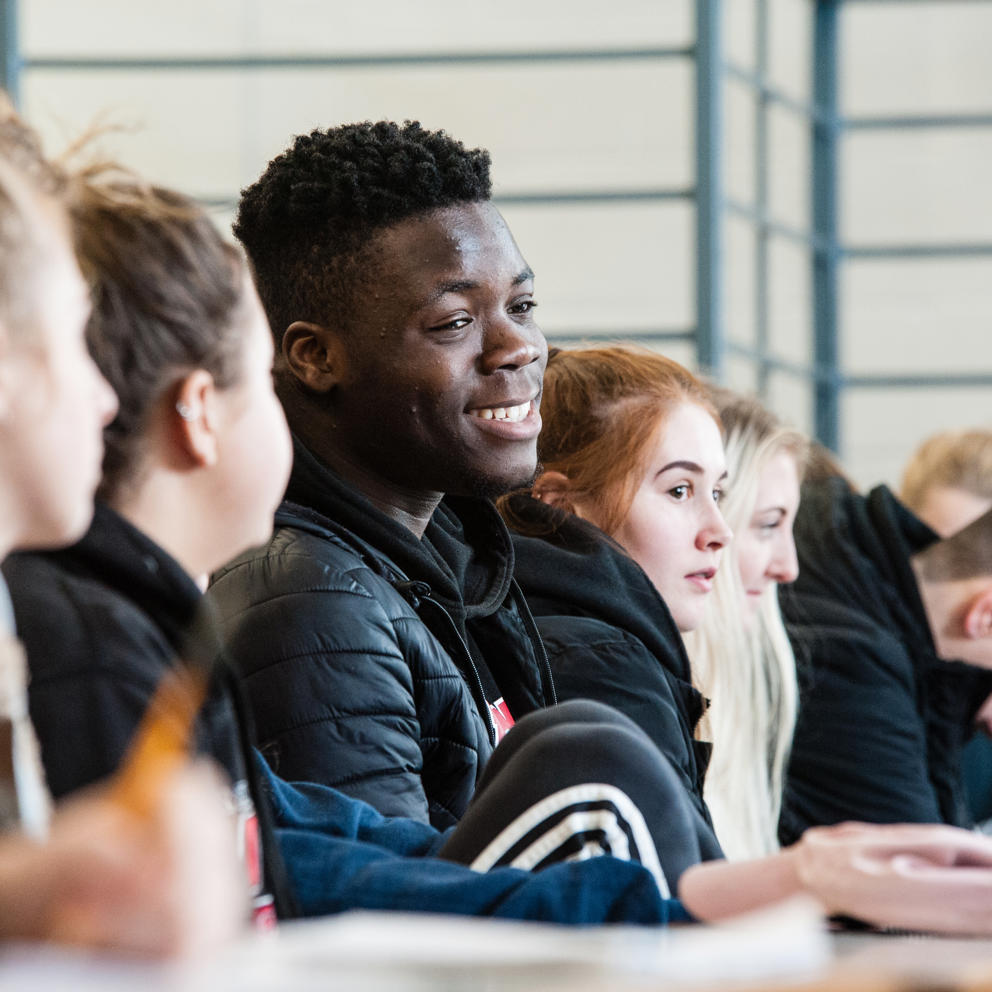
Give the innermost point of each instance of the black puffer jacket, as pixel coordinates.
(610, 637)
(360, 646)
(882, 719)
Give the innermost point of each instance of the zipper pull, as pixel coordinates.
(414, 591)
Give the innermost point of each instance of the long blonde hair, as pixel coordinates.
(748, 674)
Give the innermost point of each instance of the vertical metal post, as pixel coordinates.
(762, 206)
(710, 333)
(826, 247)
(10, 55)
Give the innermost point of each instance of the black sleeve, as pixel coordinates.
(328, 682)
(860, 749)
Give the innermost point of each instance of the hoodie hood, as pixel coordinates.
(116, 553)
(572, 568)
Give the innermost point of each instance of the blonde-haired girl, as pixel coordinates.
(741, 657)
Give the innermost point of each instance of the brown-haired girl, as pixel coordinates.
(630, 448)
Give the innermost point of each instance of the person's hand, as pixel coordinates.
(908, 876)
(167, 883)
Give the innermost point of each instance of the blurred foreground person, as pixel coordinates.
(107, 875)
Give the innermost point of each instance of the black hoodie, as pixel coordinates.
(610, 636)
(882, 718)
(370, 657)
(102, 622)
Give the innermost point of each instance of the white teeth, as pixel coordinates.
(512, 413)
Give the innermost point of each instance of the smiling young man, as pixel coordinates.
(384, 645)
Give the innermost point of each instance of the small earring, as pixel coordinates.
(186, 412)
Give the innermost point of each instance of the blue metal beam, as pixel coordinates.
(10, 56)
(596, 196)
(709, 185)
(643, 335)
(761, 197)
(805, 239)
(759, 84)
(230, 62)
(906, 380)
(962, 249)
(908, 121)
(956, 380)
(826, 131)
(549, 198)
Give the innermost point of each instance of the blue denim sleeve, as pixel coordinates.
(341, 854)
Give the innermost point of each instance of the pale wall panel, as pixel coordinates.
(916, 57)
(593, 272)
(883, 428)
(127, 27)
(920, 316)
(913, 185)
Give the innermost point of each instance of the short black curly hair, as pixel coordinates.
(307, 222)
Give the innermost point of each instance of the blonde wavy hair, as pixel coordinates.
(748, 674)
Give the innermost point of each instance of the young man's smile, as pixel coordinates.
(443, 366)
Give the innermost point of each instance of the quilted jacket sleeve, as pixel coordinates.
(327, 665)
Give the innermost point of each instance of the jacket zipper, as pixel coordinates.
(478, 691)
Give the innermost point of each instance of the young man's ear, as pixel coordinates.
(553, 488)
(978, 616)
(196, 418)
(314, 355)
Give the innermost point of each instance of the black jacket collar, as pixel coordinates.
(466, 556)
(117, 554)
(122, 557)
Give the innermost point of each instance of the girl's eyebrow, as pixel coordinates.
(687, 465)
(690, 467)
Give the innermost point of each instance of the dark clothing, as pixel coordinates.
(882, 718)
(363, 649)
(976, 764)
(610, 637)
(342, 854)
(549, 762)
(102, 622)
(106, 619)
